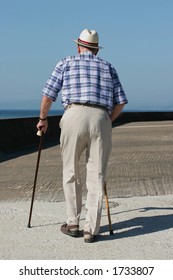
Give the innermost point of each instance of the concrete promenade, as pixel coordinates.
(140, 189)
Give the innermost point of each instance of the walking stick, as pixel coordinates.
(41, 134)
(108, 212)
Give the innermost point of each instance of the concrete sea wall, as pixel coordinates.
(17, 134)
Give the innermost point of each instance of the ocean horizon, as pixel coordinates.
(29, 113)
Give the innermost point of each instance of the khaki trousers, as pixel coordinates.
(85, 128)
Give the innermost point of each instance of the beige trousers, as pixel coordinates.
(90, 129)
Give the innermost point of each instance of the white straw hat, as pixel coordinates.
(88, 38)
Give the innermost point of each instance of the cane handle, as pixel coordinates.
(39, 133)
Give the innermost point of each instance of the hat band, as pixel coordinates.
(87, 43)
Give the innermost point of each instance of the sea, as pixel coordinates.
(16, 114)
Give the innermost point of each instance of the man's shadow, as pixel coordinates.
(139, 225)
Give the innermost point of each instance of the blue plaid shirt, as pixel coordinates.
(85, 78)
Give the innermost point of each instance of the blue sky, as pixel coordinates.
(137, 37)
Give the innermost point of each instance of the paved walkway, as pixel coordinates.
(141, 163)
(140, 188)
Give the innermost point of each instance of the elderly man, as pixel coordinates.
(93, 97)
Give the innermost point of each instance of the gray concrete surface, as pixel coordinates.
(142, 226)
(140, 164)
(140, 188)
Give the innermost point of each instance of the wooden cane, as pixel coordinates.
(41, 134)
(108, 211)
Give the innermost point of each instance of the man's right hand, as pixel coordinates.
(42, 125)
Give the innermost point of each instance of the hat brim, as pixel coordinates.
(85, 45)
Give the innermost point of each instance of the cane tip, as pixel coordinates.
(29, 226)
(111, 232)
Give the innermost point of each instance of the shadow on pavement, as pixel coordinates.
(139, 225)
(4, 156)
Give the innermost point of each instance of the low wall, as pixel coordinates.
(126, 117)
(17, 134)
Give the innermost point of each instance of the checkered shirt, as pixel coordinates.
(85, 78)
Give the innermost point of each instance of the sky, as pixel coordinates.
(137, 37)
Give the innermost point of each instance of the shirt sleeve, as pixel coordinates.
(119, 95)
(54, 83)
